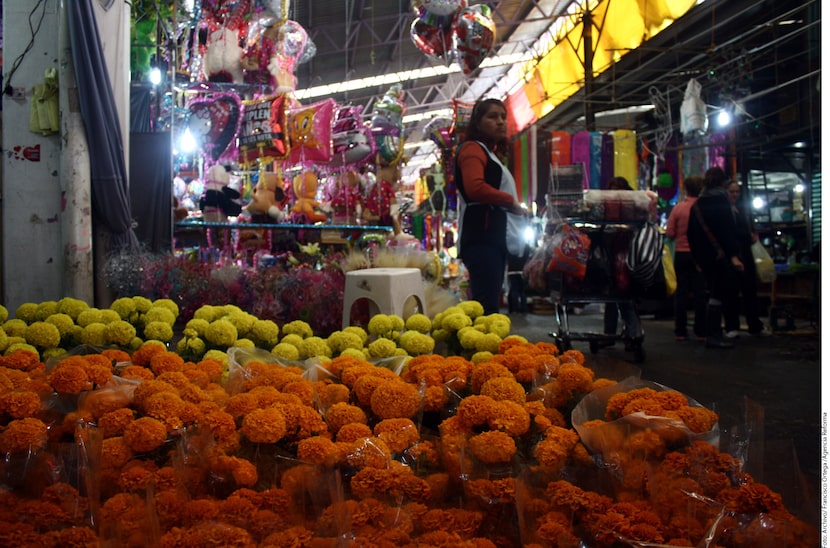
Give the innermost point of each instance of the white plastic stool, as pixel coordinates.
(386, 289)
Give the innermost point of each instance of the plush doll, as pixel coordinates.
(381, 203)
(259, 50)
(223, 56)
(267, 199)
(346, 197)
(217, 203)
(305, 191)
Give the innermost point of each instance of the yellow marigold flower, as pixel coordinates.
(158, 314)
(354, 353)
(15, 327)
(416, 343)
(218, 355)
(63, 322)
(440, 335)
(160, 331)
(286, 351)
(357, 330)
(380, 324)
(492, 447)
(120, 332)
(43, 335)
(469, 337)
(500, 328)
(314, 346)
(26, 312)
(45, 309)
(341, 340)
(142, 304)
(473, 309)
(488, 343)
(95, 333)
(108, 316)
(88, 316)
(479, 357)
(397, 322)
(51, 353)
(419, 322)
(455, 322)
(221, 333)
(298, 327)
(382, 348)
(243, 321)
(169, 304)
(208, 313)
(264, 425)
(265, 333)
(4, 313)
(125, 307)
(71, 307)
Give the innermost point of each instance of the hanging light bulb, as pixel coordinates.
(187, 143)
(724, 118)
(155, 76)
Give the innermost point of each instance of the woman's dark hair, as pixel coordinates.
(619, 183)
(481, 108)
(715, 177)
(693, 184)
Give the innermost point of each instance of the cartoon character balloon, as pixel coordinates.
(351, 140)
(263, 131)
(387, 125)
(439, 131)
(291, 44)
(309, 131)
(475, 33)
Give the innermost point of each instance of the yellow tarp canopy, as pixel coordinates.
(619, 26)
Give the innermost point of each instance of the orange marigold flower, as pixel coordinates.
(70, 377)
(553, 451)
(369, 452)
(504, 388)
(302, 421)
(99, 373)
(509, 417)
(315, 450)
(199, 510)
(435, 398)
(475, 411)
(648, 406)
(176, 379)
(301, 389)
(163, 405)
(23, 360)
(489, 491)
(115, 355)
(352, 431)
(264, 425)
(241, 404)
(23, 435)
(398, 434)
(293, 536)
(485, 371)
(164, 362)
(137, 372)
(212, 367)
(115, 453)
(143, 355)
(329, 394)
(147, 388)
(221, 424)
(364, 386)
(145, 434)
(646, 444)
(243, 471)
(697, 419)
(71, 537)
(573, 356)
(113, 423)
(395, 399)
(492, 447)
(341, 414)
(602, 383)
(19, 405)
(137, 475)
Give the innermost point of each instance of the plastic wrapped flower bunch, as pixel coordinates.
(52, 328)
(463, 329)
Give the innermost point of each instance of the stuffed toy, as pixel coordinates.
(223, 56)
(305, 191)
(346, 197)
(217, 203)
(381, 203)
(267, 199)
(259, 50)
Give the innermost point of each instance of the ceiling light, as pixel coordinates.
(798, 188)
(724, 118)
(410, 118)
(155, 76)
(758, 202)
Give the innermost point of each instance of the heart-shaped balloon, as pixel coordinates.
(439, 131)
(474, 35)
(439, 7)
(214, 123)
(433, 41)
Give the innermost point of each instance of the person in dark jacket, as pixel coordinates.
(714, 245)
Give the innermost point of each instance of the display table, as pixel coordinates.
(233, 239)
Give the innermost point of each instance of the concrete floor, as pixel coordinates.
(767, 392)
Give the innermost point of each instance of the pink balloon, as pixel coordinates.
(439, 131)
(309, 131)
(475, 33)
(351, 139)
(214, 123)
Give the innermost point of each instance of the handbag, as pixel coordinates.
(764, 266)
(668, 271)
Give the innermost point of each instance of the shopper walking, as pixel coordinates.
(714, 245)
(690, 280)
(490, 217)
(748, 279)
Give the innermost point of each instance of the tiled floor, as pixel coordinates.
(767, 392)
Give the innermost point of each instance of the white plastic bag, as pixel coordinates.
(763, 263)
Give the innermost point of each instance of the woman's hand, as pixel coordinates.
(737, 264)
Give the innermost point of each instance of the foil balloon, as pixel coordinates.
(439, 7)
(461, 113)
(309, 131)
(387, 125)
(214, 123)
(263, 131)
(475, 33)
(439, 131)
(433, 41)
(290, 44)
(351, 141)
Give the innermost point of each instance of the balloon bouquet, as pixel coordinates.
(451, 31)
(387, 131)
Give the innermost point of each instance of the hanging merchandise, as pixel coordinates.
(309, 132)
(292, 40)
(214, 124)
(351, 139)
(433, 41)
(461, 113)
(693, 110)
(44, 117)
(474, 34)
(262, 134)
(387, 126)
(226, 23)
